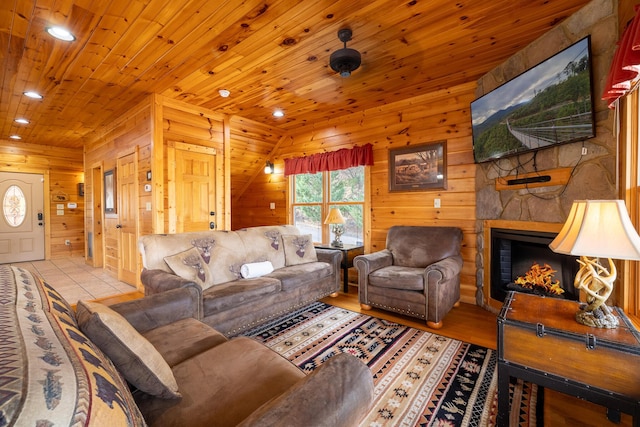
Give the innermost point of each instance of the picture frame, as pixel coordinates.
(418, 168)
(110, 191)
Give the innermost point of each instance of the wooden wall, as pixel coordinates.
(432, 117)
(254, 143)
(132, 132)
(63, 171)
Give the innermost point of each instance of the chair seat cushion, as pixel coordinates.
(239, 376)
(232, 294)
(181, 340)
(300, 275)
(398, 277)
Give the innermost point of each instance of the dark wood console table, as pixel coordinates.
(540, 342)
(348, 253)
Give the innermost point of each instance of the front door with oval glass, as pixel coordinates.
(22, 223)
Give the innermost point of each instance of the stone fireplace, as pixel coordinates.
(580, 170)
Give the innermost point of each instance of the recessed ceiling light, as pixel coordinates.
(278, 113)
(224, 93)
(22, 121)
(15, 137)
(61, 33)
(32, 94)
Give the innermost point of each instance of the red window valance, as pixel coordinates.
(625, 67)
(335, 160)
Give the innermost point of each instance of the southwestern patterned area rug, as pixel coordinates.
(421, 379)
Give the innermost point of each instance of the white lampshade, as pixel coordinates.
(598, 228)
(334, 217)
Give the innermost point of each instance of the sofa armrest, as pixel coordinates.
(158, 281)
(338, 393)
(333, 257)
(153, 311)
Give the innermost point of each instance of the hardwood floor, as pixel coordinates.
(473, 324)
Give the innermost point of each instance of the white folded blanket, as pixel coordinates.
(256, 269)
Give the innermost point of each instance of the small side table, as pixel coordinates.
(348, 253)
(540, 341)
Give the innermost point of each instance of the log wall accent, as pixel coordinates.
(149, 126)
(432, 117)
(62, 168)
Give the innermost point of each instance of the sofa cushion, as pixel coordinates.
(134, 356)
(397, 277)
(298, 249)
(236, 293)
(190, 265)
(265, 243)
(180, 340)
(247, 374)
(301, 274)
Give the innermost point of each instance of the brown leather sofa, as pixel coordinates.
(417, 274)
(228, 302)
(68, 367)
(238, 381)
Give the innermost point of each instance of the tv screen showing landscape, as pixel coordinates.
(547, 105)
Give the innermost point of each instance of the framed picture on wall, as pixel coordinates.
(418, 168)
(110, 191)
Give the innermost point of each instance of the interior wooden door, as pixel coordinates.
(127, 195)
(192, 187)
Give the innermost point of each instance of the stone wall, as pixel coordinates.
(594, 174)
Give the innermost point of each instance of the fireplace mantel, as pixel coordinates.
(549, 227)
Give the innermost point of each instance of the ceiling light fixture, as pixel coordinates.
(61, 33)
(345, 60)
(15, 137)
(33, 95)
(22, 121)
(224, 93)
(278, 113)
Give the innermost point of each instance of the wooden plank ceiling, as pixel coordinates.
(269, 54)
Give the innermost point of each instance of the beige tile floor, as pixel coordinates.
(76, 280)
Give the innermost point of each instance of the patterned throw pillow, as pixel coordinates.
(134, 356)
(191, 266)
(298, 249)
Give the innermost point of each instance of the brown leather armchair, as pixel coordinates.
(417, 274)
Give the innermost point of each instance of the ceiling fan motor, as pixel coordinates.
(345, 60)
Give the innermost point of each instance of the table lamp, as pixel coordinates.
(335, 217)
(597, 229)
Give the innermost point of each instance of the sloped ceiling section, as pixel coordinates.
(268, 54)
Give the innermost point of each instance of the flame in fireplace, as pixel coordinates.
(540, 277)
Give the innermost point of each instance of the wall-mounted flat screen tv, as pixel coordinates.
(550, 104)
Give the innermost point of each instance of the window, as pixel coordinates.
(14, 206)
(313, 195)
